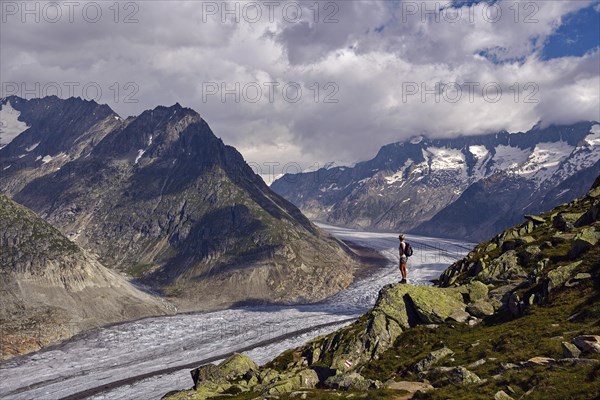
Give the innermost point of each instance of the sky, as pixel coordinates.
(297, 84)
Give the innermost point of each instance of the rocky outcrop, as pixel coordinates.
(52, 289)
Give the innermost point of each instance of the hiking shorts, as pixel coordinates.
(403, 259)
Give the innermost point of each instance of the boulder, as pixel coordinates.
(500, 296)
(237, 365)
(502, 395)
(207, 373)
(285, 383)
(502, 269)
(351, 381)
(431, 359)
(434, 305)
(565, 221)
(398, 307)
(453, 375)
(559, 276)
(477, 291)
(268, 375)
(480, 309)
(535, 219)
(590, 216)
(584, 240)
(529, 254)
(570, 350)
(588, 343)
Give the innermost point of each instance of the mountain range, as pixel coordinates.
(467, 187)
(159, 197)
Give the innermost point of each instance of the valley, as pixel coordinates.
(128, 350)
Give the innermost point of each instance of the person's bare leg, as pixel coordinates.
(403, 270)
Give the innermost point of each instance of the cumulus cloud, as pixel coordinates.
(370, 72)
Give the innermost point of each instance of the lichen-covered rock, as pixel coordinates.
(584, 240)
(431, 359)
(480, 309)
(502, 269)
(452, 375)
(435, 305)
(268, 375)
(570, 350)
(477, 291)
(237, 365)
(559, 276)
(501, 395)
(398, 307)
(305, 379)
(351, 381)
(207, 373)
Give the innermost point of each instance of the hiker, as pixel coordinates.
(405, 251)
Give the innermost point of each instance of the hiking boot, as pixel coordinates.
(403, 281)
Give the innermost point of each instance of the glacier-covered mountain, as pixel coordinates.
(471, 186)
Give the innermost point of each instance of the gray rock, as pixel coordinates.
(588, 343)
(477, 363)
(586, 239)
(480, 309)
(502, 395)
(570, 350)
(351, 381)
(456, 375)
(559, 276)
(431, 359)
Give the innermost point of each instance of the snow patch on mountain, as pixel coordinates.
(398, 175)
(10, 127)
(32, 147)
(545, 159)
(443, 159)
(139, 155)
(508, 157)
(479, 151)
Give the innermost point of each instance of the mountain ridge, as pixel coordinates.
(408, 183)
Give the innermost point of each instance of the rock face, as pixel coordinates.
(52, 289)
(398, 308)
(468, 187)
(160, 197)
(238, 374)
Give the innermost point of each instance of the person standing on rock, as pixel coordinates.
(403, 257)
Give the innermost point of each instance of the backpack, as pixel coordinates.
(408, 250)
